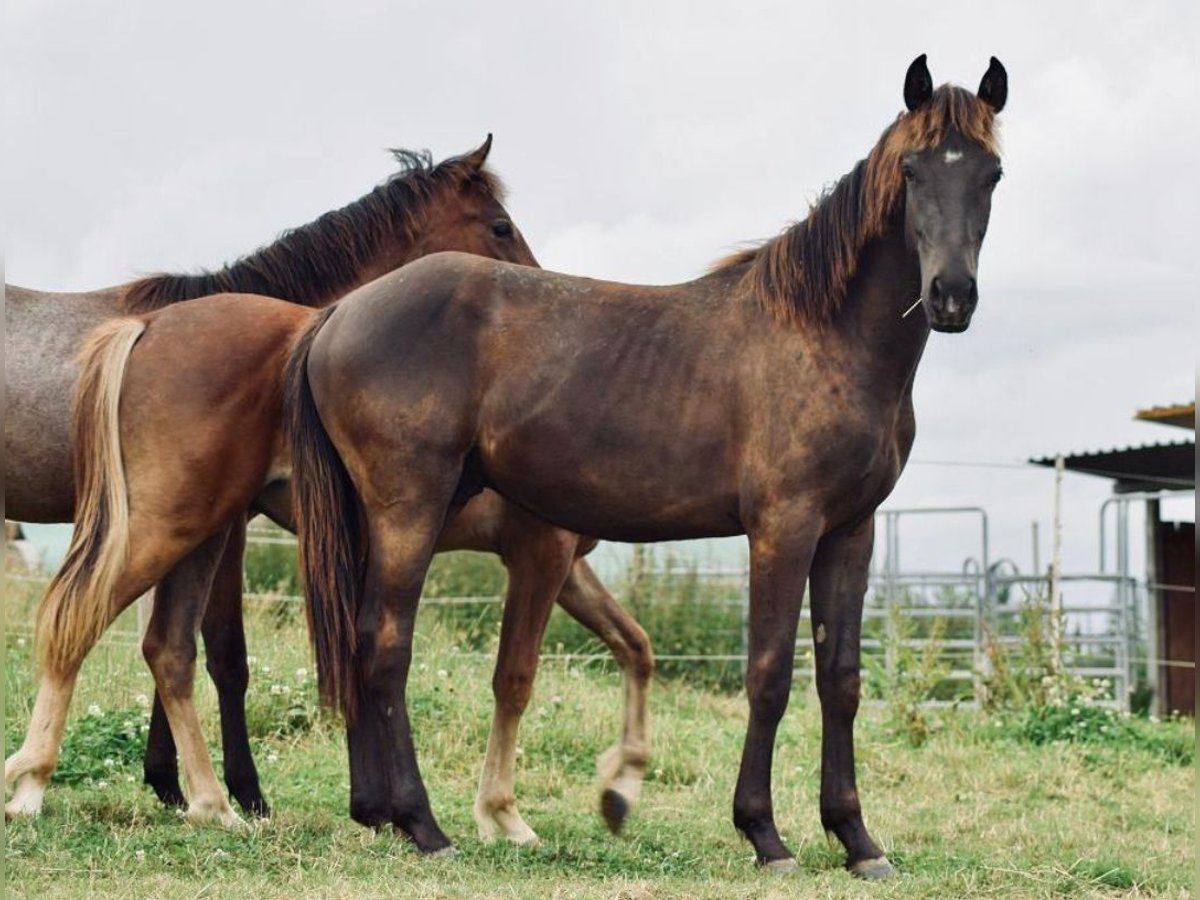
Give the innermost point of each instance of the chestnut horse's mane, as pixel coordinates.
(802, 274)
(307, 264)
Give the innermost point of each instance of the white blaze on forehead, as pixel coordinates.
(952, 156)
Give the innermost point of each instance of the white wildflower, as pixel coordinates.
(142, 700)
(95, 710)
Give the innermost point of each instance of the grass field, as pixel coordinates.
(979, 810)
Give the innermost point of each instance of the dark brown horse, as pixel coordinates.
(772, 397)
(176, 434)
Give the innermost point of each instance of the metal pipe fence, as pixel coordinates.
(960, 616)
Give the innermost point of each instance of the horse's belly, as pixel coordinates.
(618, 493)
(41, 339)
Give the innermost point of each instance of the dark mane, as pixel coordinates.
(323, 259)
(802, 274)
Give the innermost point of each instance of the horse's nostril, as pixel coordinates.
(935, 289)
(973, 291)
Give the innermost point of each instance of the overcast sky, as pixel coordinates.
(641, 141)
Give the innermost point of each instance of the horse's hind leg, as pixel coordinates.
(538, 560)
(623, 766)
(169, 647)
(224, 635)
(29, 769)
(225, 658)
(385, 782)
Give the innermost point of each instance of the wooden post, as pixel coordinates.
(1037, 550)
(1056, 569)
(1154, 601)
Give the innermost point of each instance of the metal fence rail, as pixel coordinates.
(978, 603)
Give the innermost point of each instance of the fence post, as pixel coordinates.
(1056, 570)
(745, 613)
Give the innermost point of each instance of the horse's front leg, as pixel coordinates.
(224, 634)
(780, 555)
(538, 558)
(225, 658)
(839, 581)
(160, 765)
(169, 647)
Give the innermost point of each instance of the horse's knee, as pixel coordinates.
(839, 687)
(641, 654)
(172, 662)
(769, 686)
(384, 657)
(229, 672)
(512, 688)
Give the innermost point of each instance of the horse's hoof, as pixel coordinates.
(781, 866)
(26, 801)
(444, 853)
(169, 794)
(257, 809)
(221, 818)
(877, 869)
(614, 808)
(505, 822)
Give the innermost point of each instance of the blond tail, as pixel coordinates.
(78, 603)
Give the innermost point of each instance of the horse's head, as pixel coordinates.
(464, 211)
(950, 168)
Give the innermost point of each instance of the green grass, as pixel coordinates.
(987, 806)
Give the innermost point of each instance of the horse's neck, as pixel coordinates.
(320, 291)
(885, 287)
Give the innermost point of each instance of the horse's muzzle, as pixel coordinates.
(949, 303)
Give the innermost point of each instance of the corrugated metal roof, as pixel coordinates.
(1146, 467)
(1182, 415)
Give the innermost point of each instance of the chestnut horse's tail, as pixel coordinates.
(78, 603)
(330, 532)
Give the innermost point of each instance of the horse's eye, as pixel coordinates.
(996, 176)
(502, 228)
(908, 171)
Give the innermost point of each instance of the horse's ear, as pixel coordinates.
(477, 157)
(918, 83)
(993, 89)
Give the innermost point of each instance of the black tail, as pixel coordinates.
(330, 531)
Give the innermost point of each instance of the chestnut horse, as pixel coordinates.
(176, 434)
(772, 398)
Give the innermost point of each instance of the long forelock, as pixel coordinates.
(803, 274)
